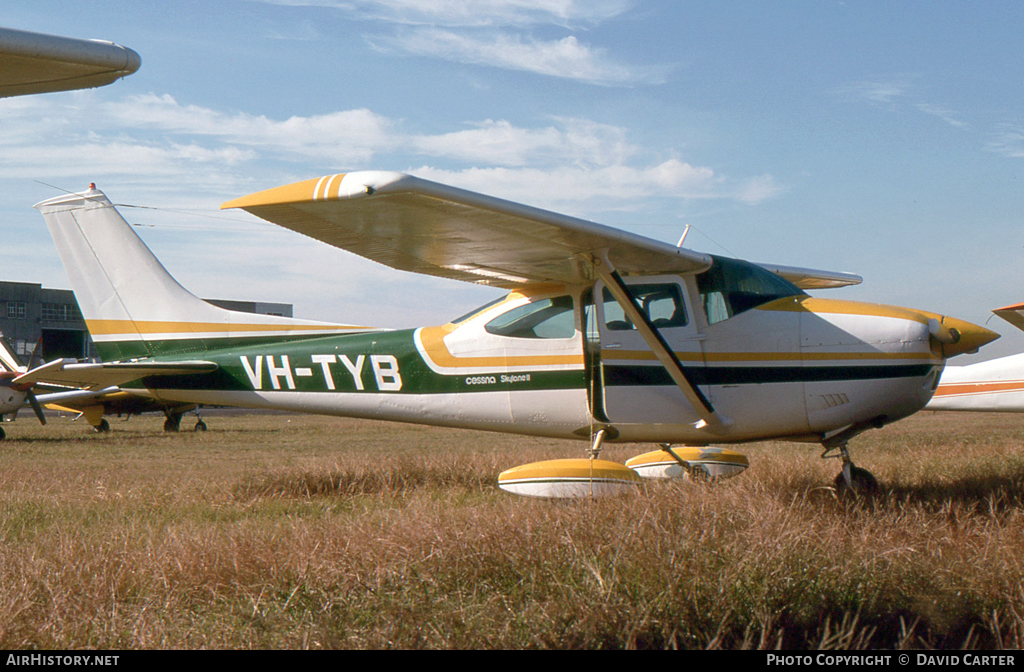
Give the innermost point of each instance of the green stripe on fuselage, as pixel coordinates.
(381, 361)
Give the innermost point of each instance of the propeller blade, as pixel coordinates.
(36, 407)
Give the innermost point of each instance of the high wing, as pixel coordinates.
(95, 376)
(416, 225)
(37, 63)
(421, 226)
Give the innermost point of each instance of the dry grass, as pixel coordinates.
(293, 531)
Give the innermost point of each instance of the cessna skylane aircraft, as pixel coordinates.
(995, 385)
(605, 336)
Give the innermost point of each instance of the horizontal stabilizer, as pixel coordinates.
(102, 375)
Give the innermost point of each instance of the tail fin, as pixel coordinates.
(132, 305)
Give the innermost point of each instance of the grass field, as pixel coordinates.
(289, 531)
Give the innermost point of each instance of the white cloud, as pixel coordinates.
(578, 188)
(499, 143)
(943, 113)
(470, 13)
(195, 154)
(478, 32)
(876, 92)
(350, 136)
(1008, 141)
(566, 58)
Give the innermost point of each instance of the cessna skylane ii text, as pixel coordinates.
(604, 336)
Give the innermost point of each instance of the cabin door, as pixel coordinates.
(634, 385)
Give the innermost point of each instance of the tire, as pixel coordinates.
(864, 482)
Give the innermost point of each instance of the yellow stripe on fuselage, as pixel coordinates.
(640, 356)
(151, 328)
(434, 347)
(810, 304)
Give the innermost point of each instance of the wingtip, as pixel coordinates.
(329, 187)
(297, 192)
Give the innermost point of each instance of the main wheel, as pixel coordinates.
(3, 434)
(172, 424)
(103, 427)
(700, 474)
(863, 482)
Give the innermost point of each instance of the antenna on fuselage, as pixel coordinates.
(683, 237)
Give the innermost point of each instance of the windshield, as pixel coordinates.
(732, 286)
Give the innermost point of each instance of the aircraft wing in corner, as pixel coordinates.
(37, 63)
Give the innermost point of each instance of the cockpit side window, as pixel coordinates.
(543, 318)
(662, 303)
(732, 286)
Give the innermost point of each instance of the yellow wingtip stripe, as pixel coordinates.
(298, 192)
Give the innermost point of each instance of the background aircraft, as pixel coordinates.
(14, 395)
(605, 335)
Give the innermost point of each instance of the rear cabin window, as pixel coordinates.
(661, 302)
(544, 318)
(731, 287)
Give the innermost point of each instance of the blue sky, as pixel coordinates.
(881, 138)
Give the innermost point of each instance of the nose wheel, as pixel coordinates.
(852, 479)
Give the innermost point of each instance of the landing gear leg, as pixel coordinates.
(594, 452)
(697, 472)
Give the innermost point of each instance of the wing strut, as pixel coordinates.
(656, 342)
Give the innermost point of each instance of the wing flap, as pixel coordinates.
(93, 376)
(420, 226)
